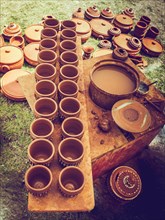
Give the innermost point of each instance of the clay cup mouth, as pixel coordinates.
(44, 88)
(69, 57)
(48, 44)
(47, 56)
(68, 24)
(66, 45)
(69, 72)
(68, 88)
(70, 106)
(49, 33)
(45, 71)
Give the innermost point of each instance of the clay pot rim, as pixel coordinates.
(47, 36)
(49, 48)
(45, 64)
(17, 37)
(68, 41)
(67, 159)
(73, 99)
(51, 25)
(43, 161)
(63, 25)
(69, 77)
(47, 51)
(36, 167)
(154, 29)
(68, 81)
(70, 53)
(68, 37)
(48, 81)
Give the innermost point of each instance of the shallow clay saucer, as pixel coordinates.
(131, 116)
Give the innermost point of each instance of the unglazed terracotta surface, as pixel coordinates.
(33, 33)
(31, 53)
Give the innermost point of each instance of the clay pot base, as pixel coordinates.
(131, 116)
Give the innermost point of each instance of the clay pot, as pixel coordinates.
(11, 30)
(46, 108)
(47, 56)
(68, 45)
(88, 50)
(41, 128)
(140, 29)
(52, 23)
(105, 44)
(135, 43)
(2, 42)
(17, 41)
(48, 43)
(114, 32)
(124, 22)
(38, 180)
(68, 24)
(69, 57)
(120, 54)
(68, 88)
(47, 16)
(41, 151)
(92, 12)
(31, 53)
(45, 71)
(151, 47)
(107, 14)
(152, 32)
(68, 34)
(69, 72)
(129, 12)
(11, 58)
(79, 13)
(45, 89)
(72, 127)
(49, 33)
(33, 33)
(146, 19)
(71, 181)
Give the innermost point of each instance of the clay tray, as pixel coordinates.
(54, 201)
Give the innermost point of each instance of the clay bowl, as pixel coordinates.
(146, 19)
(17, 41)
(67, 88)
(52, 23)
(49, 33)
(68, 45)
(68, 24)
(69, 107)
(41, 128)
(45, 88)
(69, 57)
(69, 72)
(47, 56)
(68, 34)
(70, 152)
(46, 108)
(71, 181)
(38, 180)
(152, 32)
(41, 152)
(48, 43)
(45, 71)
(72, 127)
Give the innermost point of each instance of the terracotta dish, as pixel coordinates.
(31, 53)
(33, 33)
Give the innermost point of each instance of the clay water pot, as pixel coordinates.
(46, 108)
(152, 32)
(151, 47)
(105, 44)
(72, 127)
(38, 180)
(47, 56)
(41, 128)
(49, 33)
(69, 107)
(45, 88)
(41, 152)
(52, 23)
(92, 12)
(11, 30)
(71, 181)
(68, 45)
(69, 57)
(68, 88)
(69, 72)
(48, 43)
(146, 19)
(67, 34)
(17, 41)
(79, 13)
(68, 24)
(70, 152)
(45, 71)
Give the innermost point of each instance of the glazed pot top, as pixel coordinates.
(152, 45)
(33, 32)
(10, 54)
(124, 20)
(31, 51)
(82, 26)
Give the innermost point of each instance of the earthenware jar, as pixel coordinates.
(92, 12)
(135, 43)
(47, 56)
(33, 33)
(69, 57)
(48, 43)
(88, 50)
(66, 45)
(46, 108)
(152, 32)
(72, 127)
(119, 53)
(41, 128)
(107, 14)
(45, 71)
(124, 22)
(79, 13)
(41, 152)
(49, 33)
(68, 24)
(146, 19)
(140, 29)
(45, 88)
(38, 180)
(105, 44)
(69, 72)
(17, 41)
(130, 12)
(52, 23)
(46, 17)
(31, 53)
(67, 88)
(71, 181)
(114, 32)
(151, 47)
(11, 30)
(67, 34)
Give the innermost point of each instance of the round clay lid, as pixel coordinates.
(10, 54)
(10, 85)
(101, 26)
(102, 52)
(1, 41)
(107, 13)
(131, 116)
(12, 28)
(33, 32)
(82, 26)
(152, 45)
(31, 51)
(124, 19)
(94, 11)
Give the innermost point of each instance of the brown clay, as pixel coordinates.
(129, 12)
(101, 52)
(47, 56)
(68, 24)
(33, 33)
(107, 14)
(120, 54)
(17, 41)
(45, 88)
(88, 50)
(48, 43)
(11, 30)
(151, 47)
(152, 32)
(68, 88)
(67, 34)
(105, 44)
(146, 19)
(79, 13)
(69, 72)
(47, 16)
(31, 53)
(67, 45)
(124, 22)
(2, 42)
(52, 23)
(49, 33)
(69, 57)
(92, 12)
(114, 32)
(45, 71)
(140, 29)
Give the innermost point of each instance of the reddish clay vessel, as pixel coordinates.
(68, 88)
(52, 23)
(69, 72)
(45, 71)
(49, 33)
(17, 41)
(79, 13)
(68, 24)
(107, 14)
(152, 32)
(48, 43)
(67, 34)
(92, 12)
(68, 45)
(31, 53)
(124, 22)
(151, 47)
(45, 88)
(11, 30)
(69, 57)
(33, 33)
(47, 56)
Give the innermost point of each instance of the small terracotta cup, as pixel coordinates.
(68, 45)
(45, 88)
(71, 181)
(41, 151)
(67, 88)
(68, 24)
(72, 127)
(45, 71)
(48, 43)
(69, 107)
(69, 72)
(69, 57)
(46, 108)
(146, 19)
(70, 152)
(52, 23)
(47, 56)
(38, 180)
(41, 128)
(49, 33)
(152, 32)
(67, 34)
(17, 41)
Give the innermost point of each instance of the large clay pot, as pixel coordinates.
(33, 33)
(48, 43)
(124, 22)
(69, 72)
(45, 88)
(92, 12)
(47, 56)
(67, 34)
(68, 45)
(152, 32)
(68, 24)
(49, 33)
(69, 57)
(52, 23)
(11, 30)
(45, 71)
(68, 88)
(17, 41)
(107, 14)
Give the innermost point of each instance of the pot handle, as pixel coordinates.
(5, 68)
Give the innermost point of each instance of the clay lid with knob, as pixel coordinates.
(124, 20)
(130, 12)
(31, 53)
(93, 12)
(33, 33)
(82, 26)
(11, 29)
(107, 13)
(79, 13)
(152, 47)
